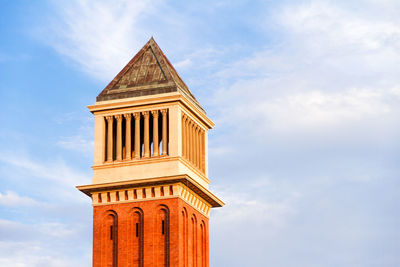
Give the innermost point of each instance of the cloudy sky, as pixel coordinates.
(306, 100)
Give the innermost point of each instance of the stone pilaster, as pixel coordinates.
(128, 136)
(110, 121)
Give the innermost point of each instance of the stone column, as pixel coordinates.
(202, 155)
(156, 144)
(196, 146)
(191, 143)
(103, 138)
(184, 135)
(119, 136)
(146, 134)
(199, 147)
(137, 134)
(188, 139)
(187, 134)
(128, 136)
(164, 132)
(110, 120)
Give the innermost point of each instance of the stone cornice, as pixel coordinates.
(151, 193)
(186, 180)
(124, 105)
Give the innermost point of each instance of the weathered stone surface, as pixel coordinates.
(148, 73)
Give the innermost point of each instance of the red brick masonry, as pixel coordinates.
(155, 233)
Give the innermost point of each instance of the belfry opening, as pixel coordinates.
(150, 187)
(132, 136)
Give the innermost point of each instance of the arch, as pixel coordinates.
(136, 256)
(109, 239)
(161, 236)
(203, 244)
(185, 238)
(194, 240)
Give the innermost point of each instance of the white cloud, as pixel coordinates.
(355, 41)
(12, 199)
(77, 143)
(42, 244)
(83, 140)
(334, 69)
(313, 111)
(57, 230)
(17, 231)
(34, 254)
(99, 36)
(184, 63)
(57, 170)
(242, 208)
(323, 23)
(263, 202)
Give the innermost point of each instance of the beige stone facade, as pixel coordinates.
(130, 138)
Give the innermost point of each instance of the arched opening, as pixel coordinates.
(162, 236)
(194, 240)
(185, 239)
(110, 240)
(203, 245)
(137, 235)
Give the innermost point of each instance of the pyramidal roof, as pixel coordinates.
(149, 72)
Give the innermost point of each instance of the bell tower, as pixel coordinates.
(150, 188)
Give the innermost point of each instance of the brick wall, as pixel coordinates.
(164, 232)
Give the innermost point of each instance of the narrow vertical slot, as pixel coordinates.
(144, 192)
(162, 191)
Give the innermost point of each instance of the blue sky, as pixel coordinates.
(306, 100)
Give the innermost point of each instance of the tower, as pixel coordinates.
(151, 202)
